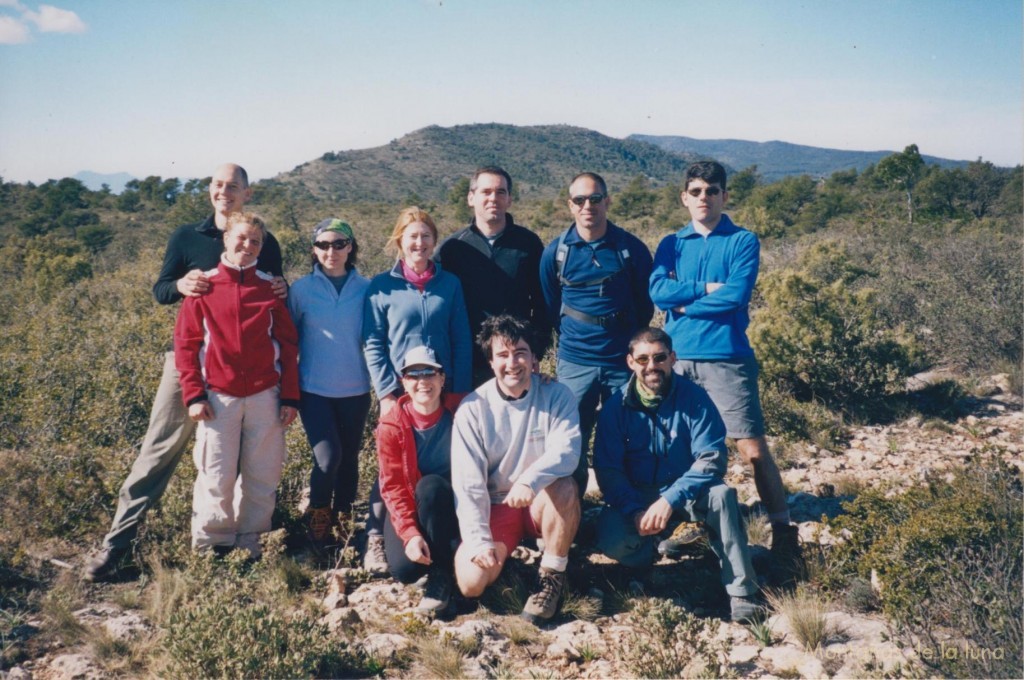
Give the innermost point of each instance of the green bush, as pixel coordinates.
(949, 558)
(667, 641)
(819, 337)
(231, 624)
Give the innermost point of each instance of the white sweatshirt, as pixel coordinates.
(497, 443)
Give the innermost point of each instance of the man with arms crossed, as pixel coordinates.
(703, 278)
(515, 445)
(659, 457)
(193, 250)
(595, 277)
(498, 263)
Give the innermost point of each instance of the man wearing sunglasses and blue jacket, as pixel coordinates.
(660, 458)
(703, 278)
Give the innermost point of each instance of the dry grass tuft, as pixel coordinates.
(806, 612)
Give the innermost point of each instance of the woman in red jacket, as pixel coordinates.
(414, 449)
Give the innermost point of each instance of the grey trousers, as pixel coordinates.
(169, 431)
(718, 509)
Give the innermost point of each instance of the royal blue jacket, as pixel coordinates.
(714, 325)
(678, 449)
(624, 296)
(397, 318)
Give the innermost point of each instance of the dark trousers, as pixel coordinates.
(435, 509)
(334, 428)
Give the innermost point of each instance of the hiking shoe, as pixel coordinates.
(543, 604)
(318, 525)
(689, 538)
(746, 609)
(788, 564)
(375, 560)
(106, 565)
(437, 592)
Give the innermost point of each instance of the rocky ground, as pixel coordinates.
(589, 641)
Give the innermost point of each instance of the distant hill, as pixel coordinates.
(94, 181)
(775, 160)
(428, 162)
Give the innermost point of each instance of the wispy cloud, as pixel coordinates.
(12, 31)
(50, 19)
(47, 19)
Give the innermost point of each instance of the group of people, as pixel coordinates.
(477, 451)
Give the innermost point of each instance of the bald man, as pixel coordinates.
(192, 250)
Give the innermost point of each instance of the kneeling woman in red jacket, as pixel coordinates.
(414, 449)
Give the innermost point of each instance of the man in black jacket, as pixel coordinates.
(498, 263)
(192, 250)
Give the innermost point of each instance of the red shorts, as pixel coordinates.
(509, 525)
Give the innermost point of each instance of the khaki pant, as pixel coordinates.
(166, 439)
(239, 456)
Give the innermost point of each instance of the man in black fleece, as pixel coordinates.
(192, 250)
(498, 263)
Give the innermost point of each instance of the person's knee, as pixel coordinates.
(563, 493)
(432, 488)
(471, 579)
(722, 497)
(754, 451)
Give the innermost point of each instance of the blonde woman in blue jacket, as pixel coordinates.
(413, 304)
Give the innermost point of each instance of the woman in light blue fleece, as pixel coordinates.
(326, 306)
(414, 304)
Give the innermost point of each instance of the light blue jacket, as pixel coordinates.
(330, 325)
(714, 326)
(397, 318)
(678, 449)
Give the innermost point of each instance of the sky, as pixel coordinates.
(175, 88)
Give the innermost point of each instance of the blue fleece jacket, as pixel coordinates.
(624, 294)
(397, 318)
(679, 448)
(714, 325)
(330, 324)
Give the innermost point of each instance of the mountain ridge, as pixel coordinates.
(777, 159)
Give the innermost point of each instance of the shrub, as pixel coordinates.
(230, 626)
(819, 337)
(666, 641)
(949, 558)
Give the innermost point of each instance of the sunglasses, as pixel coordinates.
(582, 200)
(340, 244)
(417, 373)
(658, 358)
(707, 191)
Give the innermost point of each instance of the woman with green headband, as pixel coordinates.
(326, 306)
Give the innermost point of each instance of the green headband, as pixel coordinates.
(333, 224)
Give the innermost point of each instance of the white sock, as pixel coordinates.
(553, 562)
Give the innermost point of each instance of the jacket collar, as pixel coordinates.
(396, 270)
(725, 227)
(632, 402)
(509, 223)
(208, 226)
(611, 235)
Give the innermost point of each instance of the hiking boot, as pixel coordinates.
(437, 592)
(375, 560)
(543, 604)
(106, 565)
(342, 528)
(788, 564)
(746, 609)
(689, 538)
(318, 525)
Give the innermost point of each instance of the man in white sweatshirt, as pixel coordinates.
(515, 445)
